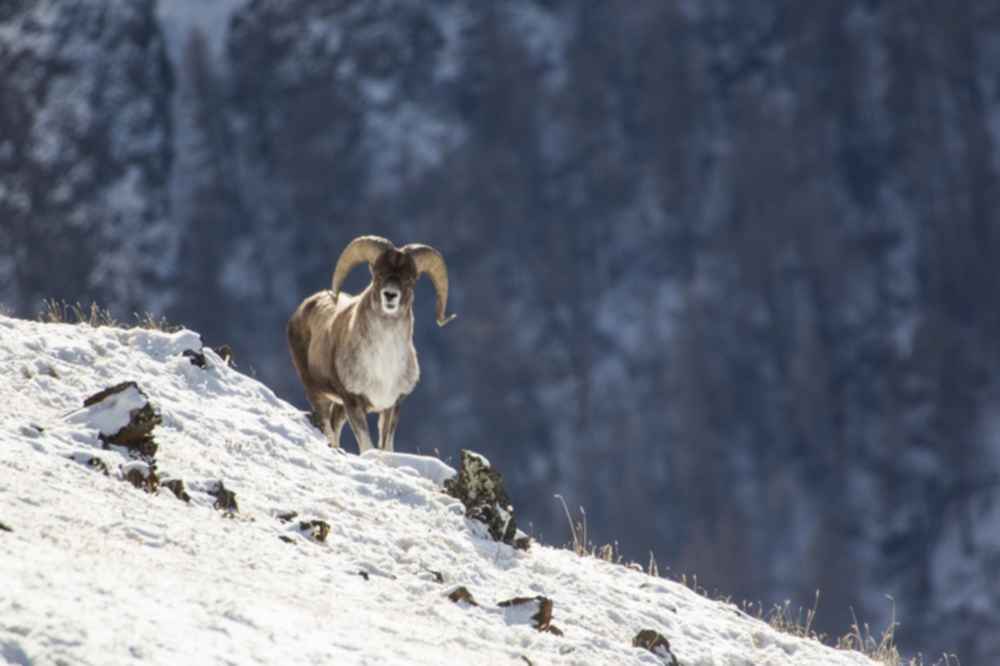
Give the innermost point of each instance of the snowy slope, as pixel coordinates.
(95, 571)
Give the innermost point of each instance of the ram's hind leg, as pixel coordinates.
(387, 422)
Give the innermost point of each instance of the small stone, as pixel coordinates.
(141, 476)
(286, 538)
(176, 486)
(96, 463)
(5, 528)
(656, 643)
(287, 516)
(225, 499)
(225, 352)
(518, 608)
(197, 358)
(462, 594)
(318, 529)
(364, 574)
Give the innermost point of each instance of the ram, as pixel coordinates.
(355, 353)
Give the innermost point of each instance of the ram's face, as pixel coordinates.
(394, 276)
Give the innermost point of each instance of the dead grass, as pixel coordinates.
(879, 647)
(60, 312)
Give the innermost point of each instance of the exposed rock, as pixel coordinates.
(656, 643)
(99, 465)
(287, 516)
(137, 434)
(536, 611)
(5, 528)
(141, 475)
(197, 358)
(92, 462)
(364, 574)
(480, 488)
(176, 486)
(461, 593)
(225, 499)
(318, 529)
(225, 352)
(286, 538)
(438, 576)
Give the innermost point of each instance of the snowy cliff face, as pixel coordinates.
(321, 557)
(84, 152)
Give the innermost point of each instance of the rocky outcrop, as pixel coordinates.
(480, 488)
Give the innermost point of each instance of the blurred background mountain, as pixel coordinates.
(726, 272)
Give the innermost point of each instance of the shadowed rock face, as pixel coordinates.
(480, 488)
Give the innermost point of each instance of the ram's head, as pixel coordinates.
(395, 272)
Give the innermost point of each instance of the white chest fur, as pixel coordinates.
(382, 368)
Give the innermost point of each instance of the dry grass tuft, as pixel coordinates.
(60, 312)
(880, 648)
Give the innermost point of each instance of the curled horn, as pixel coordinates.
(430, 261)
(363, 249)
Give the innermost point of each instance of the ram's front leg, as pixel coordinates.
(359, 424)
(387, 421)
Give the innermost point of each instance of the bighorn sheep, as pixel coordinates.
(355, 353)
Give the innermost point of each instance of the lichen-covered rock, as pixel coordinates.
(656, 643)
(536, 611)
(480, 488)
(123, 416)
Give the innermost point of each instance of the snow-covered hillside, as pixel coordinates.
(96, 571)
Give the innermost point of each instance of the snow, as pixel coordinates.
(109, 416)
(96, 571)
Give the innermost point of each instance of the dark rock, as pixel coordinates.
(225, 352)
(541, 618)
(287, 516)
(137, 434)
(95, 463)
(286, 538)
(5, 528)
(318, 529)
(176, 486)
(197, 358)
(461, 593)
(480, 488)
(364, 574)
(225, 499)
(438, 576)
(656, 643)
(141, 476)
